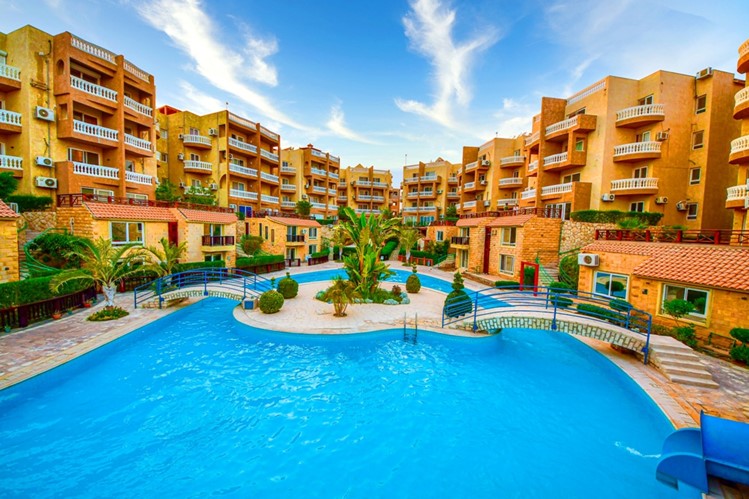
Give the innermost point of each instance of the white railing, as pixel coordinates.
(534, 137)
(288, 169)
(137, 142)
(94, 130)
(412, 180)
(741, 97)
(268, 155)
(470, 166)
(242, 145)
(189, 138)
(561, 125)
(241, 121)
(93, 88)
(364, 197)
(269, 199)
(411, 209)
(744, 48)
(135, 70)
(318, 171)
(529, 194)
(332, 192)
(242, 169)
(469, 204)
(364, 183)
(739, 145)
(138, 178)
(342, 184)
(532, 166)
(737, 192)
(426, 193)
(333, 175)
(413, 194)
(92, 49)
(334, 159)
(453, 194)
(586, 92)
(138, 107)
(556, 189)
(288, 187)
(269, 177)
(452, 180)
(640, 111)
(379, 184)
(510, 160)
(428, 178)
(319, 189)
(95, 171)
(469, 185)
(268, 133)
(511, 181)
(319, 206)
(10, 72)
(380, 199)
(637, 147)
(10, 117)
(332, 206)
(626, 184)
(192, 164)
(288, 204)
(317, 153)
(11, 162)
(243, 194)
(555, 159)
(507, 202)
(342, 198)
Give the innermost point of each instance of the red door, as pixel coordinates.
(487, 248)
(173, 233)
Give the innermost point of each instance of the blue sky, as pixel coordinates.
(373, 82)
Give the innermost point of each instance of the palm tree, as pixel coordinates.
(167, 257)
(341, 294)
(407, 237)
(339, 239)
(102, 264)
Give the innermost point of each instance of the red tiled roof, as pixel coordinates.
(296, 222)
(512, 221)
(209, 217)
(470, 222)
(702, 265)
(6, 212)
(106, 211)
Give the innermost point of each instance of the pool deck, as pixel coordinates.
(34, 350)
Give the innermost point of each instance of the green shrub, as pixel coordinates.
(30, 203)
(529, 275)
(614, 216)
(458, 303)
(108, 314)
(501, 284)
(561, 301)
(53, 248)
(620, 305)
(381, 295)
(740, 353)
(631, 223)
(288, 287)
(396, 290)
(413, 283)
(319, 254)
(34, 290)
(255, 261)
(251, 244)
(686, 335)
(600, 313)
(388, 248)
(270, 302)
(420, 254)
(182, 267)
(569, 270)
(558, 287)
(660, 330)
(740, 334)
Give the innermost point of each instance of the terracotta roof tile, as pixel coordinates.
(209, 217)
(511, 221)
(471, 222)
(106, 211)
(6, 212)
(296, 222)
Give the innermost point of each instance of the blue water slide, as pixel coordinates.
(718, 448)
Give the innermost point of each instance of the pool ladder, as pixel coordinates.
(411, 335)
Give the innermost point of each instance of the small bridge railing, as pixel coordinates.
(235, 281)
(569, 303)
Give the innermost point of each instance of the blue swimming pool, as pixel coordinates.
(197, 404)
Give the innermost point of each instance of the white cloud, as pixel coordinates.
(429, 27)
(337, 124)
(197, 101)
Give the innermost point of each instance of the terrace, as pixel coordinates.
(663, 235)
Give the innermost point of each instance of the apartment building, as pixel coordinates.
(230, 156)
(658, 144)
(365, 189)
(309, 174)
(427, 190)
(737, 197)
(395, 199)
(75, 117)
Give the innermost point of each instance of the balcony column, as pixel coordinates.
(119, 120)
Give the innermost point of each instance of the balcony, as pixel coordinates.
(737, 197)
(318, 171)
(138, 107)
(565, 160)
(266, 198)
(634, 186)
(334, 159)
(319, 189)
(138, 178)
(637, 151)
(288, 204)
(333, 175)
(218, 241)
(739, 151)
(555, 191)
(288, 187)
(637, 116)
(11, 162)
(469, 186)
(10, 121)
(460, 240)
(295, 238)
(317, 153)
(453, 195)
(241, 170)
(533, 168)
(560, 130)
(469, 204)
(135, 71)
(425, 178)
(288, 170)
(510, 183)
(96, 171)
(452, 179)
(93, 89)
(533, 139)
(237, 193)
(242, 146)
(269, 134)
(342, 184)
(363, 197)
(268, 177)
(251, 125)
(378, 199)
(92, 49)
(383, 185)
(198, 166)
(367, 183)
(332, 192)
(512, 161)
(412, 180)
(342, 197)
(332, 207)
(269, 155)
(10, 78)
(528, 194)
(197, 141)
(506, 202)
(743, 64)
(137, 143)
(317, 205)
(95, 131)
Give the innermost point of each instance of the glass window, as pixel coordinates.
(698, 139)
(126, 232)
(213, 257)
(692, 211)
(646, 100)
(696, 297)
(79, 156)
(580, 145)
(701, 104)
(506, 264)
(312, 248)
(641, 172)
(695, 175)
(637, 206)
(440, 236)
(575, 177)
(101, 194)
(611, 285)
(313, 233)
(508, 236)
(645, 136)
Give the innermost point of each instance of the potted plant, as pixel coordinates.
(57, 314)
(87, 303)
(7, 328)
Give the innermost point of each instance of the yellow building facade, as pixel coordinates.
(365, 189)
(737, 196)
(427, 190)
(309, 174)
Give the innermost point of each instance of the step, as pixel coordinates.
(690, 355)
(686, 371)
(676, 363)
(672, 347)
(692, 381)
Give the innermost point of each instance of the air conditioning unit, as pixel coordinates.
(681, 206)
(746, 203)
(231, 156)
(46, 182)
(483, 182)
(213, 187)
(439, 191)
(182, 185)
(661, 200)
(181, 136)
(486, 162)
(181, 157)
(213, 132)
(487, 203)
(304, 196)
(608, 197)
(44, 161)
(14, 207)
(661, 136)
(704, 73)
(44, 113)
(588, 259)
(233, 207)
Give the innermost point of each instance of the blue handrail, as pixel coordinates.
(223, 279)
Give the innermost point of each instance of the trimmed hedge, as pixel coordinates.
(500, 284)
(181, 267)
(34, 290)
(413, 283)
(30, 203)
(288, 287)
(740, 333)
(600, 313)
(270, 302)
(388, 248)
(319, 254)
(458, 303)
(259, 260)
(613, 216)
(420, 254)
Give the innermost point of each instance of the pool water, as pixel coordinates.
(197, 404)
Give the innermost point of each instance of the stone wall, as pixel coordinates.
(37, 221)
(9, 250)
(578, 234)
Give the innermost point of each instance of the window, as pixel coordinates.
(164, 156)
(83, 74)
(126, 232)
(698, 139)
(213, 230)
(580, 145)
(507, 264)
(575, 177)
(701, 104)
(129, 165)
(637, 206)
(240, 162)
(641, 172)
(194, 131)
(195, 184)
(138, 197)
(164, 134)
(575, 113)
(237, 186)
(508, 236)
(692, 211)
(86, 118)
(80, 156)
(695, 175)
(646, 100)
(611, 285)
(645, 137)
(266, 232)
(440, 236)
(101, 194)
(313, 233)
(213, 257)
(312, 249)
(194, 157)
(273, 236)
(696, 297)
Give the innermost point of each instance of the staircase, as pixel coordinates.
(393, 257)
(680, 364)
(448, 263)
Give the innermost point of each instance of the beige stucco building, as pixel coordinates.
(293, 237)
(365, 189)
(9, 264)
(427, 190)
(737, 196)
(309, 174)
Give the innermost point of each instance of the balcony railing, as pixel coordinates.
(556, 189)
(561, 125)
(333, 175)
(529, 194)
(317, 153)
(269, 155)
(92, 49)
(534, 137)
(741, 97)
(138, 178)
(469, 185)
(425, 178)
(380, 199)
(342, 198)
(198, 165)
(412, 180)
(452, 180)
(334, 159)
(647, 110)
(269, 199)
(288, 187)
(637, 148)
(555, 159)
(137, 142)
(138, 107)
(94, 130)
(288, 204)
(241, 169)
(511, 181)
(218, 240)
(242, 121)
(288, 169)
(242, 145)
(93, 88)
(269, 177)
(243, 194)
(668, 235)
(737, 193)
(332, 192)
(135, 70)
(11, 162)
(332, 206)
(268, 133)
(383, 184)
(189, 138)
(320, 189)
(511, 160)
(10, 117)
(10, 72)
(532, 166)
(318, 205)
(469, 204)
(740, 145)
(294, 238)
(507, 202)
(627, 184)
(318, 171)
(461, 240)
(453, 194)
(95, 171)
(471, 166)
